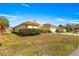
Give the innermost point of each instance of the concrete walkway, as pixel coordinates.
(70, 34)
(75, 53)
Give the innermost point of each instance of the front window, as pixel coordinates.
(32, 27)
(29, 26)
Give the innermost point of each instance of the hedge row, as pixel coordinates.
(28, 32)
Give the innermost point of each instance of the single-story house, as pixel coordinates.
(32, 24)
(49, 27)
(61, 29)
(72, 27)
(76, 30)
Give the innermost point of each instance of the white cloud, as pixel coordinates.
(61, 20)
(7, 15)
(75, 21)
(25, 5)
(11, 17)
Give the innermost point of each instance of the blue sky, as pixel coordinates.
(54, 13)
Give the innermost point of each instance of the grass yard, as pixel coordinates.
(39, 45)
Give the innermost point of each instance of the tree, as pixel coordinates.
(4, 22)
(70, 27)
(61, 26)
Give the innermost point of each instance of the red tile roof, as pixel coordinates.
(49, 25)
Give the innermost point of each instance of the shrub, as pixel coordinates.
(27, 32)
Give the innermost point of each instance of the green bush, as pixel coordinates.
(28, 32)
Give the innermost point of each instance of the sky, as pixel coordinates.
(53, 13)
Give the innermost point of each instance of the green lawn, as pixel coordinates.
(43, 44)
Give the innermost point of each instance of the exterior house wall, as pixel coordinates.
(53, 29)
(49, 28)
(20, 27)
(45, 28)
(29, 27)
(64, 30)
(34, 24)
(26, 26)
(32, 27)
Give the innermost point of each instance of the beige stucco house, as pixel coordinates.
(31, 24)
(49, 27)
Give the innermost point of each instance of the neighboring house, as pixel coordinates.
(61, 29)
(1, 29)
(32, 24)
(49, 28)
(72, 27)
(76, 30)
